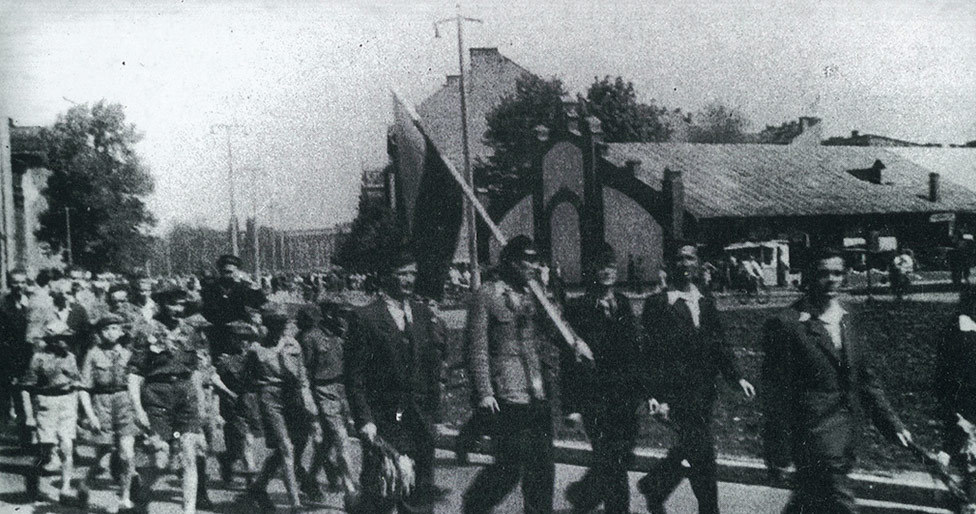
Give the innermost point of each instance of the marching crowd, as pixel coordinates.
(160, 377)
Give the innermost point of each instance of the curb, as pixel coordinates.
(925, 495)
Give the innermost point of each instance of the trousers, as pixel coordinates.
(522, 435)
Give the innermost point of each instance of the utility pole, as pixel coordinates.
(469, 213)
(227, 128)
(67, 232)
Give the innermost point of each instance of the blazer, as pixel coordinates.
(616, 343)
(391, 373)
(682, 362)
(507, 342)
(814, 394)
(955, 380)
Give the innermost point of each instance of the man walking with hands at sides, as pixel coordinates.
(817, 382)
(608, 394)
(514, 363)
(393, 365)
(687, 348)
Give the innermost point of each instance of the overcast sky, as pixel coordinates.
(307, 83)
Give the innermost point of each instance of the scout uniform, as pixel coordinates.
(104, 374)
(53, 380)
(242, 415)
(166, 360)
(275, 366)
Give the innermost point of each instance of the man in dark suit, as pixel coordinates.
(15, 320)
(687, 349)
(607, 394)
(393, 367)
(817, 382)
(227, 298)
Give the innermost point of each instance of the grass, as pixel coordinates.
(901, 334)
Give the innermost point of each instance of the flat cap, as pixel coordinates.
(108, 320)
(225, 260)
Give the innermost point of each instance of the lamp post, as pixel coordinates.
(469, 213)
(227, 128)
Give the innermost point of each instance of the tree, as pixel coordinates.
(623, 118)
(512, 133)
(97, 178)
(373, 237)
(718, 123)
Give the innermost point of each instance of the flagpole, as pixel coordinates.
(570, 337)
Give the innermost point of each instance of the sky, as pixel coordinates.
(306, 85)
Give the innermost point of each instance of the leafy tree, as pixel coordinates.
(373, 235)
(718, 123)
(623, 118)
(97, 176)
(512, 133)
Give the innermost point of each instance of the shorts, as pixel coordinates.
(281, 427)
(242, 416)
(57, 418)
(116, 415)
(171, 407)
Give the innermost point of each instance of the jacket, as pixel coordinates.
(814, 395)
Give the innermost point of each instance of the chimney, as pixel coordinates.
(933, 187)
(855, 133)
(674, 195)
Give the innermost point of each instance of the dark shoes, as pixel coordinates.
(260, 499)
(431, 494)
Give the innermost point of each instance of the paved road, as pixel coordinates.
(735, 498)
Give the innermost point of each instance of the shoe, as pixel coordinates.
(226, 471)
(312, 490)
(260, 499)
(431, 494)
(83, 497)
(574, 495)
(204, 503)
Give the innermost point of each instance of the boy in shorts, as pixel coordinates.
(52, 380)
(108, 408)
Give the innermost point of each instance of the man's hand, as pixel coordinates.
(489, 403)
(583, 351)
(943, 458)
(904, 438)
(747, 388)
(574, 419)
(658, 410)
(142, 419)
(96, 425)
(368, 431)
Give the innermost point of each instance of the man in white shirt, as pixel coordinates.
(686, 352)
(818, 383)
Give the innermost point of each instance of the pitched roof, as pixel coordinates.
(955, 164)
(776, 180)
(490, 77)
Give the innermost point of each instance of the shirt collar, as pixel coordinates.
(833, 313)
(692, 295)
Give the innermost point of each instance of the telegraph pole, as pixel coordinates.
(469, 213)
(227, 128)
(67, 232)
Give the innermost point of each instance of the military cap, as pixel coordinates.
(225, 260)
(170, 296)
(107, 320)
(197, 321)
(274, 313)
(243, 330)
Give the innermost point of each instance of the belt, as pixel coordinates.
(109, 391)
(54, 393)
(166, 379)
